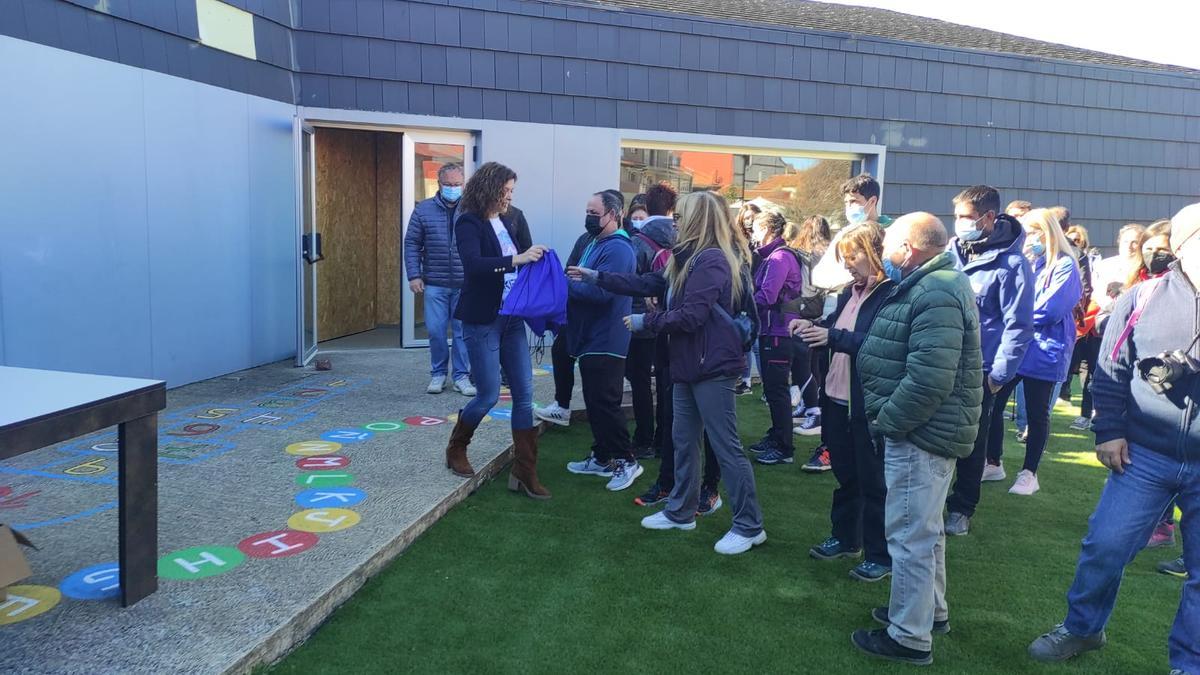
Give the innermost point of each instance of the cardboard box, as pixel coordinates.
(13, 566)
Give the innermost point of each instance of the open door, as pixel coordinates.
(422, 154)
(310, 248)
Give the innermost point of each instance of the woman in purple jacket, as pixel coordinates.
(702, 280)
(1056, 292)
(777, 282)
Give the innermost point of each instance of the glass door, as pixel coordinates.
(425, 152)
(310, 247)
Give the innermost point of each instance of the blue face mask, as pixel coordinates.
(894, 273)
(856, 213)
(1038, 249)
(452, 193)
(965, 229)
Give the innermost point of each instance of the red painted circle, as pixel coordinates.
(322, 462)
(505, 397)
(423, 421)
(277, 544)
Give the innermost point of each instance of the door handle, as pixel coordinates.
(310, 247)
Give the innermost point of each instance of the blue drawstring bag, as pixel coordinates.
(539, 295)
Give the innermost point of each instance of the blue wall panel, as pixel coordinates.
(73, 268)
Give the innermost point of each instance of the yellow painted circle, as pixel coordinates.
(323, 520)
(306, 448)
(26, 602)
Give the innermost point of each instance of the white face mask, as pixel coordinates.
(856, 213)
(966, 229)
(638, 223)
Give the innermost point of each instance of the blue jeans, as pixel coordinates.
(439, 307)
(1130, 507)
(1022, 415)
(917, 485)
(491, 346)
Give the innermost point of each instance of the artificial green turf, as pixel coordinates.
(506, 584)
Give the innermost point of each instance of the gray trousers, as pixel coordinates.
(709, 406)
(917, 483)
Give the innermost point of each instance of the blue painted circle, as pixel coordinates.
(501, 413)
(331, 497)
(346, 435)
(98, 582)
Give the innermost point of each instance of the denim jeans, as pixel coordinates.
(439, 307)
(1129, 508)
(917, 483)
(502, 343)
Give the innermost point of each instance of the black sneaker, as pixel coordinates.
(879, 643)
(832, 548)
(880, 614)
(710, 500)
(742, 389)
(1174, 568)
(644, 452)
(654, 495)
(819, 462)
(774, 456)
(765, 445)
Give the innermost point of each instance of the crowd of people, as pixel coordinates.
(900, 343)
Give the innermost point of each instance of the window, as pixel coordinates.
(796, 185)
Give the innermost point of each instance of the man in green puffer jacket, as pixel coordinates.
(922, 376)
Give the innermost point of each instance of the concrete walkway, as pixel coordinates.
(281, 490)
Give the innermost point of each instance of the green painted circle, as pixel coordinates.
(386, 426)
(199, 562)
(323, 479)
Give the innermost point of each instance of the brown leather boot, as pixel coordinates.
(456, 450)
(523, 477)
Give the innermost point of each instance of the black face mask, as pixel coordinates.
(593, 226)
(1158, 262)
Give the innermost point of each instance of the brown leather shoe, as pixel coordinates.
(523, 477)
(456, 450)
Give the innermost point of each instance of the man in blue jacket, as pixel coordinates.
(598, 340)
(433, 267)
(1148, 435)
(988, 247)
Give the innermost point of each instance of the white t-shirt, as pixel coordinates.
(507, 247)
(1112, 269)
(829, 274)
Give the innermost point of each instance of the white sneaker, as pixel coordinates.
(991, 472)
(463, 386)
(1027, 484)
(554, 414)
(1082, 423)
(436, 385)
(660, 521)
(733, 544)
(623, 474)
(795, 395)
(590, 467)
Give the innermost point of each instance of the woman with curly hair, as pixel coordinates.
(486, 240)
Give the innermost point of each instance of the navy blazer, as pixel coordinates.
(484, 266)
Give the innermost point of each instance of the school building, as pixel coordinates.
(193, 187)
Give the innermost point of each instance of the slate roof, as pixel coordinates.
(884, 23)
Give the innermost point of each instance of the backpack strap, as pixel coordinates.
(649, 241)
(1145, 290)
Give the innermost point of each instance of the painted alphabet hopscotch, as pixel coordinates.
(326, 500)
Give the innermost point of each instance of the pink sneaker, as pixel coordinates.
(1164, 535)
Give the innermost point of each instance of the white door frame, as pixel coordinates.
(305, 304)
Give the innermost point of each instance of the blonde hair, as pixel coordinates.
(704, 223)
(864, 239)
(1085, 242)
(1046, 222)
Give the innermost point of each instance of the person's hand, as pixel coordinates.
(815, 336)
(1114, 454)
(628, 322)
(795, 326)
(635, 322)
(992, 386)
(532, 255)
(583, 274)
(416, 285)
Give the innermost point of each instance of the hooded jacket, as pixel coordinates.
(661, 230)
(701, 345)
(1126, 407)
(1003, 285)
(430, 253)
(595, 322)
(920, 364)
(778, 279)
(1056, 294)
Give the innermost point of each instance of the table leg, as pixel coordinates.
(138, 507)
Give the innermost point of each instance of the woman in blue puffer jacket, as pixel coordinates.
(1057, 290)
